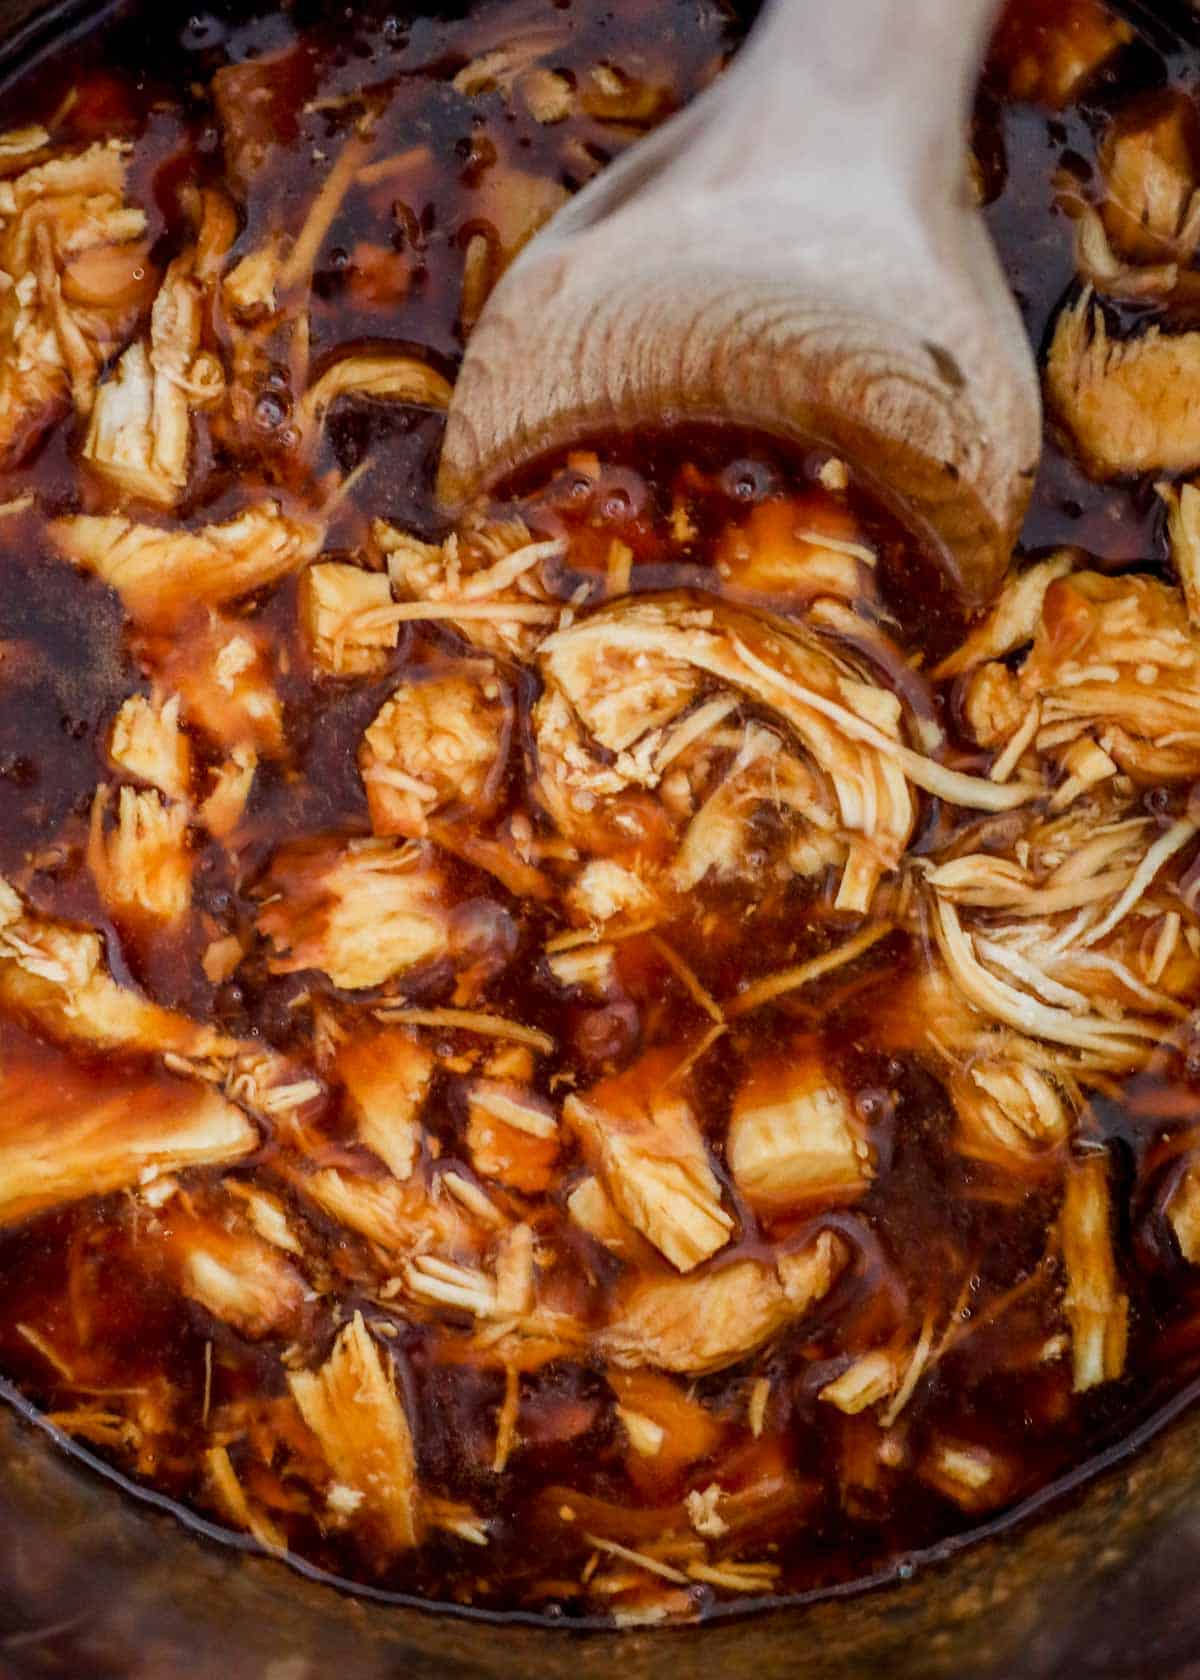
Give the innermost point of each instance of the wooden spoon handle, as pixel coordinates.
(796, 251)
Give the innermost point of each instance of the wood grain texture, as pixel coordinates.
(796, 251)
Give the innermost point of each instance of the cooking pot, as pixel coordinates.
(1098, 1575)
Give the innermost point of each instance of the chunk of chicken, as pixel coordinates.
(434, 745)
(141, 864)
(266, 1213)
(1099, 266)
(351, 1405)
(64, 1135)
(1126, 404)
(139, 438)
(1148, 162)
(648, 1150)
(605, 891)
(1096, 1309)
(148, 742)
(344, 616)
(363, 911)
(224, 672)
(592, 1209)
(74, 261)
(225, 802)
(1013, 619)
(617, 680)
(512, 1135)
(233, 1275)
(387, 1073)
(487, 579)
(793, 1135)
(397, 1219)
(590, 969)
(54, 977)
(1113, 659)
(1010, 1111)
(161, 574)
(797, 549)
(702, 1324)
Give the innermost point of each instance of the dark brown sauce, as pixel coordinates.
(934, 1236)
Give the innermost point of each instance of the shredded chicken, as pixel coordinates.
(148, 742)
(142, 863)
(139, 438)
(695, 1325)
(1115, 659)
(71, 1136)
(1009, 1110)
(75, 269)
(1125, 403)
(352, 1407)
(396, 1218)
(1052, 947)
(435, 745)
(54, 977)
(650, 1154)
(343, 612)
(159, 574)
(1096, 1309)
(363, 911)
(387, 1073)
(224, 671)
(234, 1275)
(1148, 158)
(487, 579)
(512, 1135)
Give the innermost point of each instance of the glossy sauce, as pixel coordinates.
(941, 1243)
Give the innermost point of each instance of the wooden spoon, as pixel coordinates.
(798, 251)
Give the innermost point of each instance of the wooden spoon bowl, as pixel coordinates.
(798, 252)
